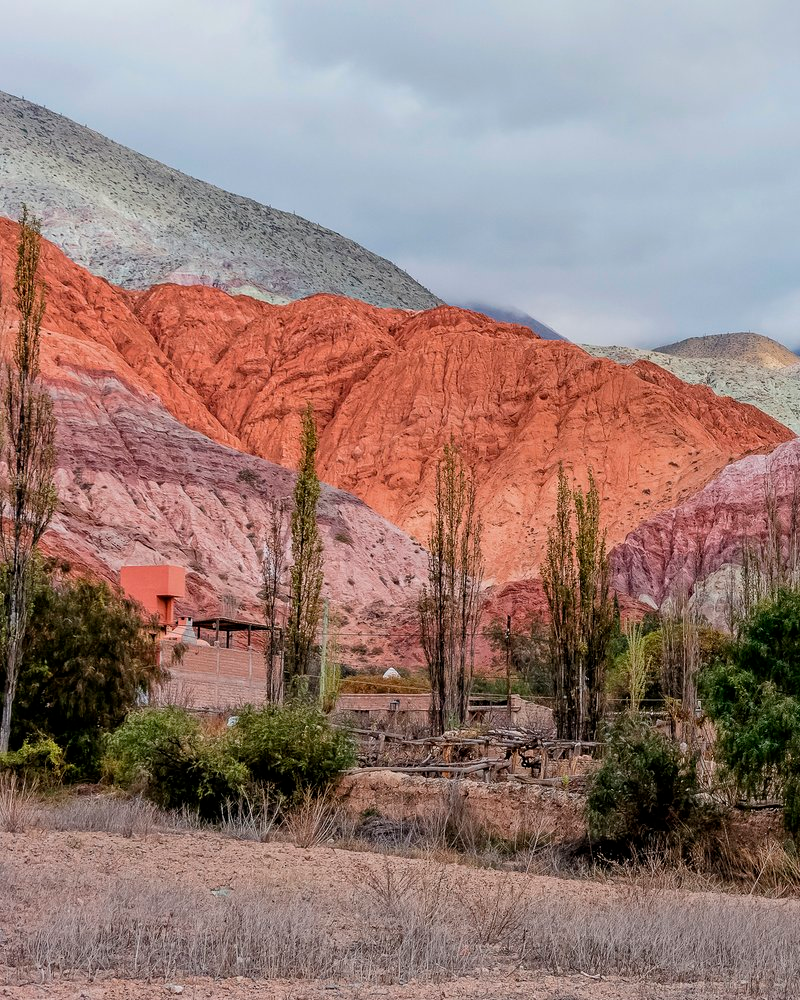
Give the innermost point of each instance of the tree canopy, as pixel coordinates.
(88, 657)
(753, 695)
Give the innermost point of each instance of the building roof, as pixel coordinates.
(231, 624)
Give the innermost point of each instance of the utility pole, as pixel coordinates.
(323, 657)
(508, 664)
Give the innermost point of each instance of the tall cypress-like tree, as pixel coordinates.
(305, 601)
(449, 607)
(576, 583)
(27, 496)
(273, 567)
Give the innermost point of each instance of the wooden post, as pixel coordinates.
(323, 656)
(508, 665)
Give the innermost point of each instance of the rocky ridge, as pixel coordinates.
(389, 389)
(161, 393)
(137, 222)
(700, 540)
(775, 391)
(753, 348)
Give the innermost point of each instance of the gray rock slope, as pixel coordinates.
(775, 392)
(137, 222)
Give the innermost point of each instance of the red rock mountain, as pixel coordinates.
(136, 485)
(390, 387)
(143, 381)
(699, 539)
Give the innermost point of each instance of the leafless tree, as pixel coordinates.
(449, 607)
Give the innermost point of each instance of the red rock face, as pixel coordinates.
(697, 538)
(136, 485)
(389, 389)
(141, 377)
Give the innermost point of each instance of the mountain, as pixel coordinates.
(699, 540)
(515, 316)
(389, 389)
(136, 485)
(168, 388)
(752, 348)
(775, 391)
(137, 222)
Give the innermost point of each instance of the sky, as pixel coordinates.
(625, 172)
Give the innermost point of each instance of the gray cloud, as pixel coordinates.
(624, 172)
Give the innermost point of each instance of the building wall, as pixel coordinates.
(155, 588)
(213, 679)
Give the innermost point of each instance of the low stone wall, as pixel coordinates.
(508, 809)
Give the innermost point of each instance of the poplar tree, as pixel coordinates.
(273, 568)
(27, 494)
(305, 600)
(449, 607)
(576, 584)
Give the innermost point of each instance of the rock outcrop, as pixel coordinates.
(137, 222)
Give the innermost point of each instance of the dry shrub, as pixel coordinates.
(312, 821)
(713, 939)
(251, 818)
(18, 809)
(122, 815)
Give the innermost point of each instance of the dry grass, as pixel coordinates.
(421, 921)
(18, 803)
(251, 818)
(313, 821)
(713, 939)
(144, 931)
(104, 813)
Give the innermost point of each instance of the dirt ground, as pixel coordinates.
(70, 866)
(514, 986)
(506, 808)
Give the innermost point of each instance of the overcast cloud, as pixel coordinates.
(626, 173)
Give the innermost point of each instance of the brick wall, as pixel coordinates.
(213, 678)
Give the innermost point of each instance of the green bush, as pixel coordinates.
(42, 761)
(753, 695)
(166, 753)
(88, 657)
(291, 749)
(645, 794)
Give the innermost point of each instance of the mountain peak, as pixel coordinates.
(752, 348)
(137, 222)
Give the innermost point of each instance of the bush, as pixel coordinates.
(88, 657)
(645, 794)
(753, 696)
(291, 749)
(165, 752)
(41, 761)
